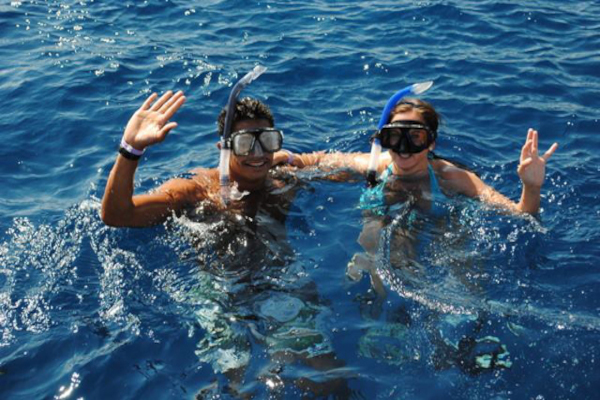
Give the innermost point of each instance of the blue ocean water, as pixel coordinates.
(88, 311)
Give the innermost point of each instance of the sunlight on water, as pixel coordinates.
(447, 286)
(476, 304)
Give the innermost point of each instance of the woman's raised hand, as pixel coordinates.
(150, 123)
(532, 166)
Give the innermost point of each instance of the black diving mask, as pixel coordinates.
(406, 137)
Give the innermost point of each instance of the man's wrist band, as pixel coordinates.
(130, 148)
(129, 152)
(130, 156)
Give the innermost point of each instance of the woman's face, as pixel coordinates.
(409, 163)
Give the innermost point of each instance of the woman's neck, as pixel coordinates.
(413, 173)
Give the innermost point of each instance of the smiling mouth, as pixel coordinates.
(255, 164)
(405, 155)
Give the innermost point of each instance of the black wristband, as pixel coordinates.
(128, 155)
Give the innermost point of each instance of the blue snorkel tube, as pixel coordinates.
(413, 89)
(225, 153)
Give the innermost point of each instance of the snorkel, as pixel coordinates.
(225, 152)
(416, 88)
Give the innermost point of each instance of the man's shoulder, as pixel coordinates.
(204, 176)
(193, 186)
(201, 171)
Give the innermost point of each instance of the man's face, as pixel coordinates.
(255, 165)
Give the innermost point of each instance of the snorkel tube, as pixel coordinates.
(416, 88)
(225, 153)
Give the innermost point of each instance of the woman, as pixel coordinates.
(410, 136)
(412, 178)
(411, 173)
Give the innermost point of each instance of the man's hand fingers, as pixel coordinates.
(174, 107)
(523, 165)
(163, 99)
(526, 163)
(148, 101)
(170, 102)
(526, 149)
(530, 134)
(165, 130)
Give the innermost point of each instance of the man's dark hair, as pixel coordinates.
(246, 108)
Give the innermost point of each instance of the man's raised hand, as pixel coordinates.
(150, 123)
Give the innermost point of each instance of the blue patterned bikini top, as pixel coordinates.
(374, 198)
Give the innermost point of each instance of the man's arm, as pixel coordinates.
(121, 208)
(148, 125)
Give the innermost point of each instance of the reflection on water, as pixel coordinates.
(435, 287)
(254, 300)
(459, 297)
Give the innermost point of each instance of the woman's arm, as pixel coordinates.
(531, 170)
(336, 161)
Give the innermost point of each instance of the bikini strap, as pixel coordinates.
(436, 192)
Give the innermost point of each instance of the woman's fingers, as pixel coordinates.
(534, 143)
(550, 151)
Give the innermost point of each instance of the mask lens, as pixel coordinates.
(418, 137)
(390, 137)
(271, 140)
(242, 144)
(405, 137)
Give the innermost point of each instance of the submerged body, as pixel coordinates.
(246, 261)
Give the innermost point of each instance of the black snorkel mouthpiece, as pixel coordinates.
(372, 180)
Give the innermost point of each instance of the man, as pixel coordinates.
(256, 149)
(150, 125)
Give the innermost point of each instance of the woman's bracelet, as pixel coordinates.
(129, 152)
(290, 158)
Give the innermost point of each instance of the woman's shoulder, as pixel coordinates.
(447, 170)
(453, 177)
